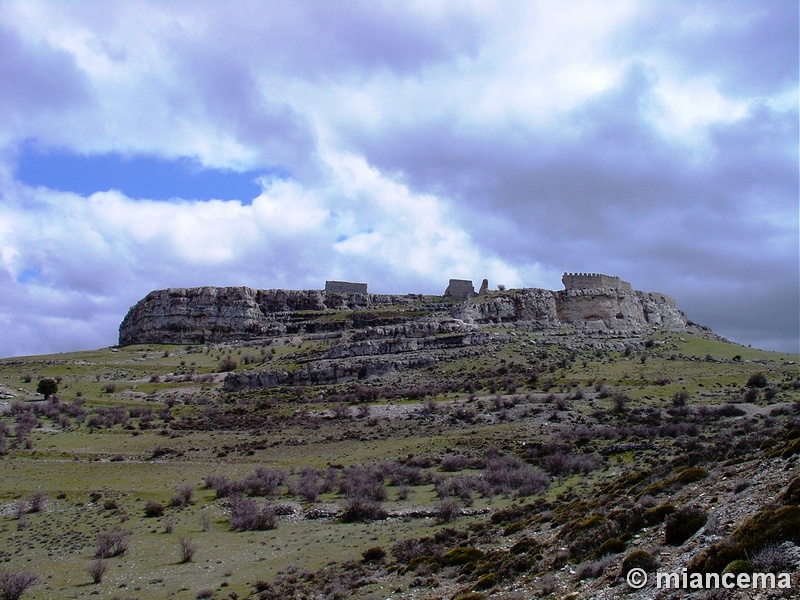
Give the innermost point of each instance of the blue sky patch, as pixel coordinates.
(137, 177)
(27, 275)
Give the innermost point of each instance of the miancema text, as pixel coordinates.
(742, 581)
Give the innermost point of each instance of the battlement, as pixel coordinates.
(345, 287)
(578, 281)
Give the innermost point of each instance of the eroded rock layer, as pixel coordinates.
(219, 314)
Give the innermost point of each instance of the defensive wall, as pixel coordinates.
(582, 281)
(345, 287)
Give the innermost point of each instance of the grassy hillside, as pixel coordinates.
(520, 469)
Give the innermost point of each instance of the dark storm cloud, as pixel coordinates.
(615, 195)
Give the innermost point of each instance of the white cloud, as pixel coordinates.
(422, 141)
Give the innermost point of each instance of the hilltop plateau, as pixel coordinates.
(333, 443)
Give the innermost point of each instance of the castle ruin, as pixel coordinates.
(345, 287)
(583, 281)
(460, 288)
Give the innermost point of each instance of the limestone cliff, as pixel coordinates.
(218, 314)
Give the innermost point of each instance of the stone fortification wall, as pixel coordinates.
(582, 281)
(345, 287)
(460, 288)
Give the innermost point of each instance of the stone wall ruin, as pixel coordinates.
(460, 288)
(345, 287)
(583, 281)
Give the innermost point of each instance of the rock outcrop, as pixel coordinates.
(217, 314)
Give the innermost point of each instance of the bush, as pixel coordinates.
(250, 515)
(169, 525)
(506, 474)
(560, 463)
(36, 501)
(308, 485)
(97, 569)
(638, 559)
(184, 495)
(188, 547)
(14, 583)
(572, 529)
(363, 483)
(263, 481)
(461, 556)
(448, 510)
(680, 397)
(691, 475)
(792, 493)
(454, 462)
(109, 544)
(757, 380)
(487, 581)
(683, 524)
(227, 364)
(362, 509)
(611, 546)
(739, 566)
(153, 509)
(657, 514)
(592, 570)
(374, 554)
(773, 559)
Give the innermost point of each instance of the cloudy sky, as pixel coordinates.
(146, 145)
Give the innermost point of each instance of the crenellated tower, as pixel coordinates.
(584, 281)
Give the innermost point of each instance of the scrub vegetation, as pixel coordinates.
(533, 467)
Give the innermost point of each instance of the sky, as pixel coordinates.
(147, 145)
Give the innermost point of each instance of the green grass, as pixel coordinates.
(70, 465)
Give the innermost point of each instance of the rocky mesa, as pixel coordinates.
(588, 302)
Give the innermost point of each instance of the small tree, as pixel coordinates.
(47, 387)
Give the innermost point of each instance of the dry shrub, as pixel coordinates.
(14, 583)
(153, 509)
(188, 548)
(111, 543)
(97, 569)
(250, 515)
